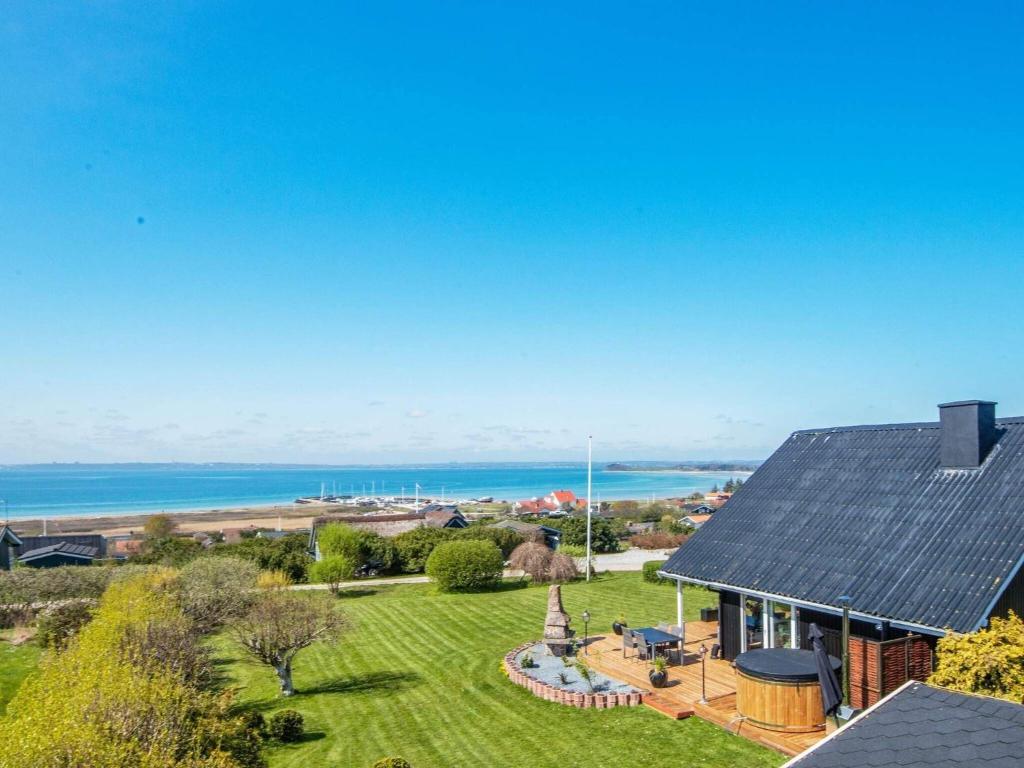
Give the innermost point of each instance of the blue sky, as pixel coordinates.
(479, 231)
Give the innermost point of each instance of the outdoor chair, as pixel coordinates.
(628, 641)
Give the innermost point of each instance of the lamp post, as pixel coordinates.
(844, 600)
(586, 634)
(703, 690)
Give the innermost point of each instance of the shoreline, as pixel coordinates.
(292, 517)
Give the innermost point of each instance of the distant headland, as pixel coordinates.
(689, 466)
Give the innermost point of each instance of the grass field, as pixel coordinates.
(418, 676)
(16, 661)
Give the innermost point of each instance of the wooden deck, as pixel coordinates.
(680, 698)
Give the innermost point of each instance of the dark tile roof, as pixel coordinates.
(924, 727)
(96, 540)
(63, 548)
(868, 512)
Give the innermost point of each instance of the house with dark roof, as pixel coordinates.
(9, 543)
(61, 553)
(920, 726)
(917, 525)
(60, 549)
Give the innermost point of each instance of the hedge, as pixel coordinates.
(460, 566)
(650, 571)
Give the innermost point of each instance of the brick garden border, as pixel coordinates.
(548, 692)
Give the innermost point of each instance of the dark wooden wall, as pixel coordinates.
(730, 620)
(1012, 599)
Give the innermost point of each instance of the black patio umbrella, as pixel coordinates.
(831, 691)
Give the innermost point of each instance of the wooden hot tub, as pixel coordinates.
(777, 688)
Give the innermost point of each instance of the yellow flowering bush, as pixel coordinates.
(989, 661)
(104, 704)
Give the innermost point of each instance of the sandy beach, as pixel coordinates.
(291, 516)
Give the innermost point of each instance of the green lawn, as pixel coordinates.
(418, 676)
(16, 661)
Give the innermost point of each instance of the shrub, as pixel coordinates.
(332, 570)
(268, 580)
(213, 590)
(541, 564)
(465, 565)
(414, 547)
(562, 568)
(650, 571)
(392, 762)
(573, 550)
(254, 721)
(602, 533)
(506, 539)
(57, 624)
(286, 726)
(288, 554)
(22, 589)
(989, 661)
(658, 540)
(159, 526)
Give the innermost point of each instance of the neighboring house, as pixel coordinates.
(535, 507)
(700, 509)
(920, 726)
(561, 499)
(919, 525)
(694, 521)
(9, 543)
(232, 535)
(552, 536)
(717, 498)
(638, 527)
(273, 535)
(389, 524)
(93, 541)
(125, 547)
(61, 553)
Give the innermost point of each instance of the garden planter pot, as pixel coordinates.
(617, 627)
(658, 679)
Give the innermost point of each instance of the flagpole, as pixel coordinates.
(590, 456)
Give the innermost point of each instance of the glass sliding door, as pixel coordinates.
(782, 625)
(754, 624)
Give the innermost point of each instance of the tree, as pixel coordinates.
(159, 526)
(214, 590)
(332, 570)
(344, 540)
(414, 547)
(505, 538)
(457, 566)
(989, 661)
(541, 564)
(288, 554)
(280, 624)
(602, 534)
(714, 488)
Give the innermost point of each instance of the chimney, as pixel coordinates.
(968, 433)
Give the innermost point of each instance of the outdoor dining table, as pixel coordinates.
(656, 638)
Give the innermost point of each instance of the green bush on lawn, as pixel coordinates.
(465, 566)
(650, 571)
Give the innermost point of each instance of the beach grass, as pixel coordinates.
(418, 675)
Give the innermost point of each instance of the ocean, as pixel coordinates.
(65, 490)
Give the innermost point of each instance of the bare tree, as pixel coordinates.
(281, 623)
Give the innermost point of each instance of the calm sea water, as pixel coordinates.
(64, 490)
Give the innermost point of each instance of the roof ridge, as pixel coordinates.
(894, 427)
